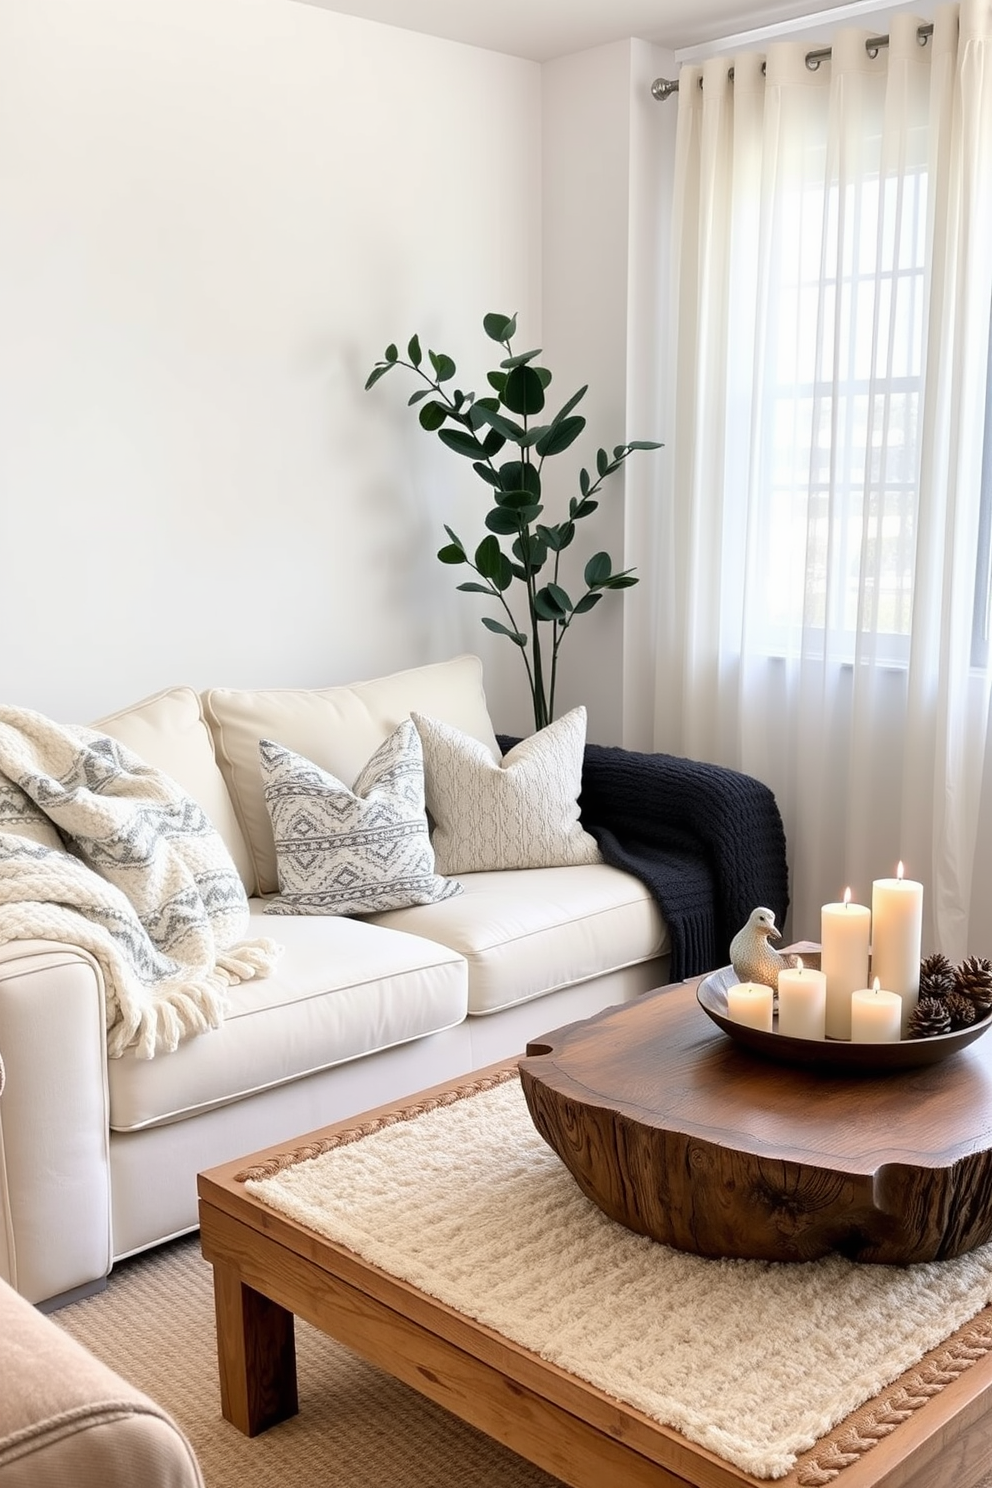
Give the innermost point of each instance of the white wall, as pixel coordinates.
(607, 144)
(214, 215)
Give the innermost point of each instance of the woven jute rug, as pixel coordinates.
(759, 1362)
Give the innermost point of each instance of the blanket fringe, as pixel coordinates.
(193, 1006)
(247, 959)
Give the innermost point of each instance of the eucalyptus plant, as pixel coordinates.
(485, 430)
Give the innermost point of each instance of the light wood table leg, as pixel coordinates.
(256, 1354)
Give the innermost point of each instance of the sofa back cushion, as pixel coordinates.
(337, 728)
(168, 731)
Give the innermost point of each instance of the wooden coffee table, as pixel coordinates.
(268, 1269)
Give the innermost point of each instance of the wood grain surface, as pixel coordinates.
(677, 1132)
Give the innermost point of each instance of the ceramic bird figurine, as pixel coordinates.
(752, 958)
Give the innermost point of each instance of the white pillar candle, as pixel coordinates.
(845, 931)
(896, 938)
(751, 1003)
(802, 1002)
(876, 1016)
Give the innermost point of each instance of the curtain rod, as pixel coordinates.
(663, 88)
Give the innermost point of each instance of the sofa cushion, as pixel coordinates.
(168, 731)
(342, 851)
(338, 728)
(532, 931)
(341, 988)
(518, 811)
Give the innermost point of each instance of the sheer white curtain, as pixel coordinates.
(822, 583)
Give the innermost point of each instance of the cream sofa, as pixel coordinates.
(98, 1156)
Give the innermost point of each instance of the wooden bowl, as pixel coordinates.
(834, 1055)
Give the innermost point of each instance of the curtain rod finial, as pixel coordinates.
(663, 88)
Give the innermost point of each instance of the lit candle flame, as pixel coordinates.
(899, 871)
(799, 963)
(847, 897)
(876, 987)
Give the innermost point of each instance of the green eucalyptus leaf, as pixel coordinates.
(645, 444)
(483, 414)
(559, 537)
(497, 380)
(492, 444)
(566, 408)
(520, 359)
(544, 375)
(418, 396)
(532, 551)
(598, 570)
(453, 535)
(459, 441)
(499, 327)
(505, 521)
(487, 558)
(552, 603)
(518, 501)
(584, 482)
(504, 578)
(444, 367)
(602, 462)
(379, 370)
(586, 603)
(453, 553)
(524, 392)
(560, 436)
(622, 581)
(432, 415)
(391, 353)
(518, 475)
(498, 628)
(486, 473)
(471, 587)
(584, 509)
(413, 351)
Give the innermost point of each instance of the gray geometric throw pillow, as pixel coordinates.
(352, 852)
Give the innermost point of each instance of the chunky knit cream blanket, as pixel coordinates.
(100, 850)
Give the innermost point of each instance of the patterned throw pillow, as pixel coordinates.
(518, 812)
(351, 852)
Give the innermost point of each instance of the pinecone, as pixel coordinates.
(936, 976)
(962, 1010)
(929, 1018)
(973, 979)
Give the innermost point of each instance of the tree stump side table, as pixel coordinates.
(674, 1130)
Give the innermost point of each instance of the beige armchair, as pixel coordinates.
(65, 1418)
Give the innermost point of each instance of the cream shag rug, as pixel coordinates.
(754, 1360)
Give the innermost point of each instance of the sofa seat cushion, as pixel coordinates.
(528, 931)
(341, 988)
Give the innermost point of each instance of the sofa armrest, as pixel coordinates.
(55, 1226)
(65, 1417)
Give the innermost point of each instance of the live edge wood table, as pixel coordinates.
(267, 1268)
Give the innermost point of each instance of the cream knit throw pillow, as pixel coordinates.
(518, 812)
